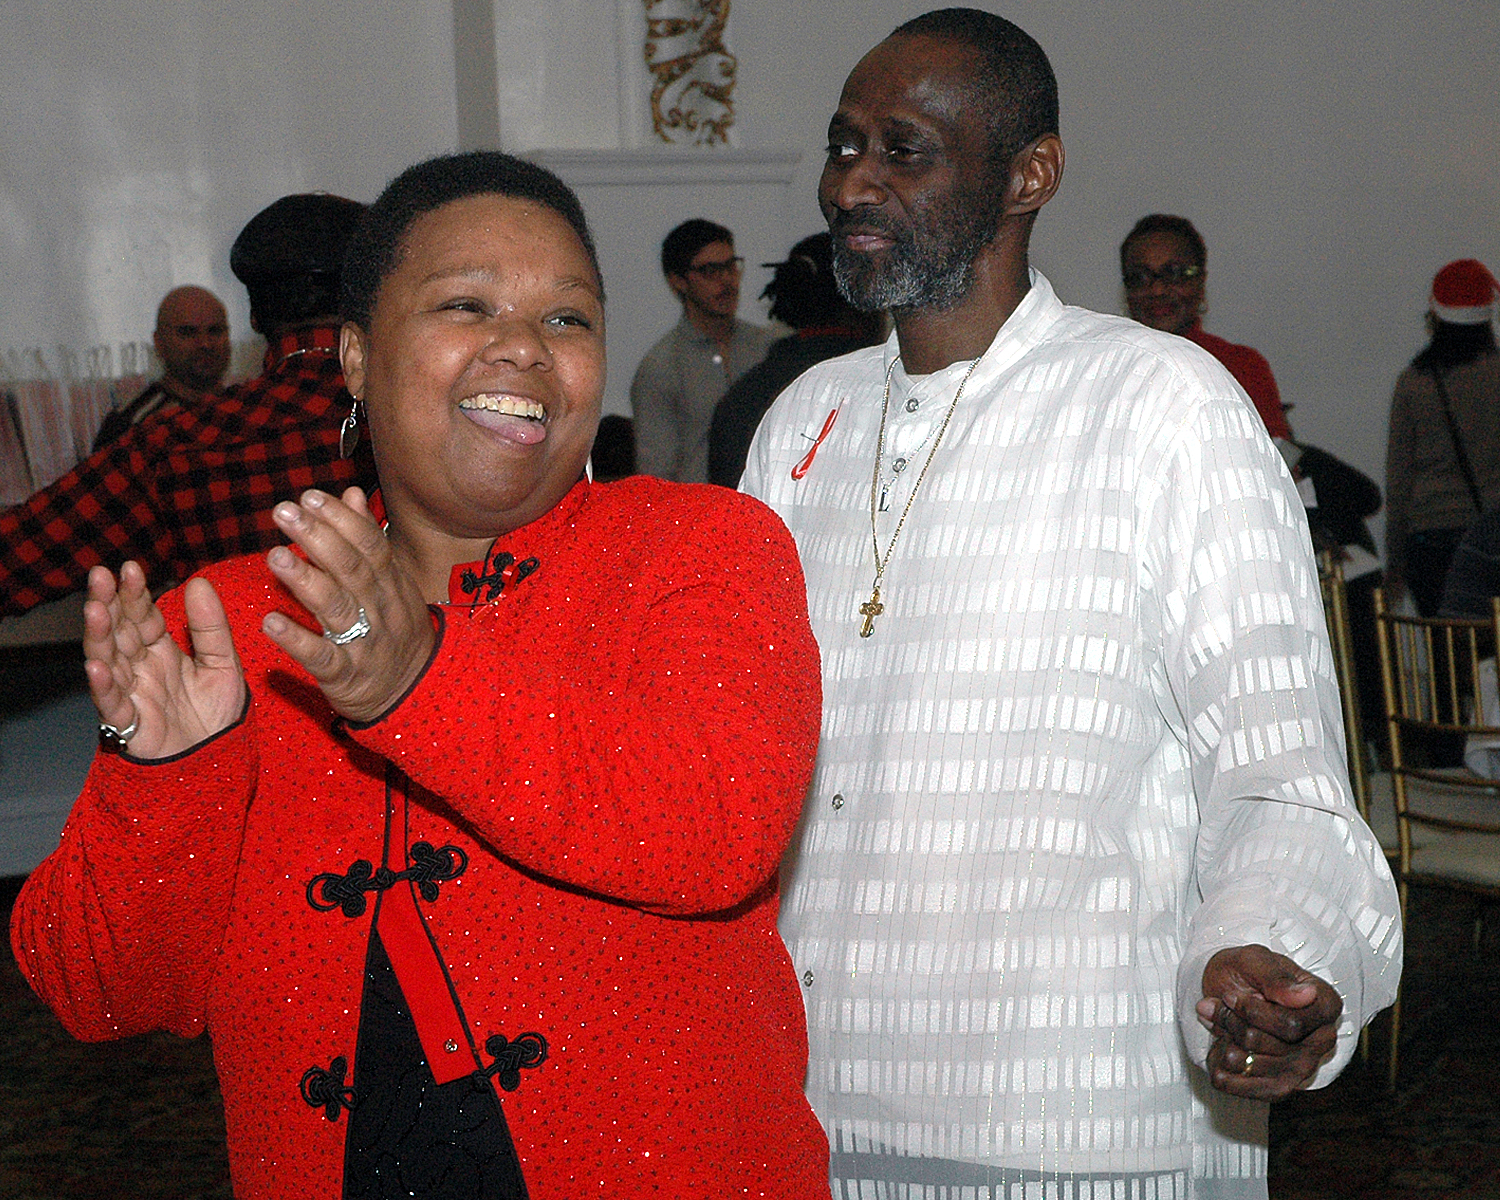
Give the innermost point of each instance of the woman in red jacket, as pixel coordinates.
(456, 825)
(1164, 266)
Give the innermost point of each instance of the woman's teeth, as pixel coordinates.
(511, 406)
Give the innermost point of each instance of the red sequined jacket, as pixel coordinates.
(616, 731)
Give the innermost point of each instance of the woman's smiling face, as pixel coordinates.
(482, 368)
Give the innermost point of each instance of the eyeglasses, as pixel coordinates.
(718, 270)
(1139, 278)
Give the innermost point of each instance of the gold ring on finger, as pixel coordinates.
(1249, 1063)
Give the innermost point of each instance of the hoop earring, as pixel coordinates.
(588, 468)
(349, 431)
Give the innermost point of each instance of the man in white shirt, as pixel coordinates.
(1081, 885)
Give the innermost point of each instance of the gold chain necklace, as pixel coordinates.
(333, 350)
(872, 607)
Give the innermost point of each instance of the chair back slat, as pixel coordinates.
(1436, 674)
(1341, 639)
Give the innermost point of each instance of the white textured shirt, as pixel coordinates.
(1094, 738)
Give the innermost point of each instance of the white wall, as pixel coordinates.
(140, 135)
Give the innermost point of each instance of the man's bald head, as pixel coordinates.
(192, 338)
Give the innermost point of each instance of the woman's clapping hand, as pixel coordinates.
(139, 675)
(349, 581)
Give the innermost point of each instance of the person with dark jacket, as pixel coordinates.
(1343, 497)
(803, 295)
(1443, 454)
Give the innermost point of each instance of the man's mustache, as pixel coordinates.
(864, 220)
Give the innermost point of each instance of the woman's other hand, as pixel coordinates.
(350, 581)
(139, 675)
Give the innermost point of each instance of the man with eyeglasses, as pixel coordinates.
(1164, 263)
(683, 376)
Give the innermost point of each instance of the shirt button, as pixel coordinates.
(838, 800)
(807, 978)
(912, 404)
(451, 1046)
(899, 465)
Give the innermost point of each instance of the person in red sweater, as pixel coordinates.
(1164, 263)
(457, 824)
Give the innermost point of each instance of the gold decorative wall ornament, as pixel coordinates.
(692, 99)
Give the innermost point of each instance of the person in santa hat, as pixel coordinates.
(1443, 454)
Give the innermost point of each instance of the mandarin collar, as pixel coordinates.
(512, 556)
(1027, 326)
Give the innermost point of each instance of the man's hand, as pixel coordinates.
(1273, 1024)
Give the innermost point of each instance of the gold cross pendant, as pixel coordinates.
(869, 610)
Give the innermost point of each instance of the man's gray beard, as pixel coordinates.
(932, 268)
(905, 281)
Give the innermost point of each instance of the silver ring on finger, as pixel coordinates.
(115, 739)
(1249, 1064)
(359, 629)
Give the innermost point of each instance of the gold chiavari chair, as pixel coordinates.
(1336, 610)
(1436, 685)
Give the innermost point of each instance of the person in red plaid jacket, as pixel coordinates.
(189, 487)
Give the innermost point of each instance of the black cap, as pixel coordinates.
(810, 256)
(298, 235)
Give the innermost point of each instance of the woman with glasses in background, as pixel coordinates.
(1164, 264)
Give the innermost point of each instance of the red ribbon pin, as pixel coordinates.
(802, 467)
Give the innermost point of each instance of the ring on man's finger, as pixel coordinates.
(359, 629)
(1249, 1063)
(115, 739)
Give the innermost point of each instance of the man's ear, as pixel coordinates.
(678, 284)
(352, 356)
(1035, 173)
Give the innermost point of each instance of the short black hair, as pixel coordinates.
(1179, 227)
(681, 246)
(802, 290)
(375, 249)
(292, 301)
(1453, 345)
(613, 454)
(1015, 86)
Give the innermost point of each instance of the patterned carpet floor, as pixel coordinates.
(142, 1119)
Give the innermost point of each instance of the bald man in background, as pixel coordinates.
(192, 341)
(193, 484)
